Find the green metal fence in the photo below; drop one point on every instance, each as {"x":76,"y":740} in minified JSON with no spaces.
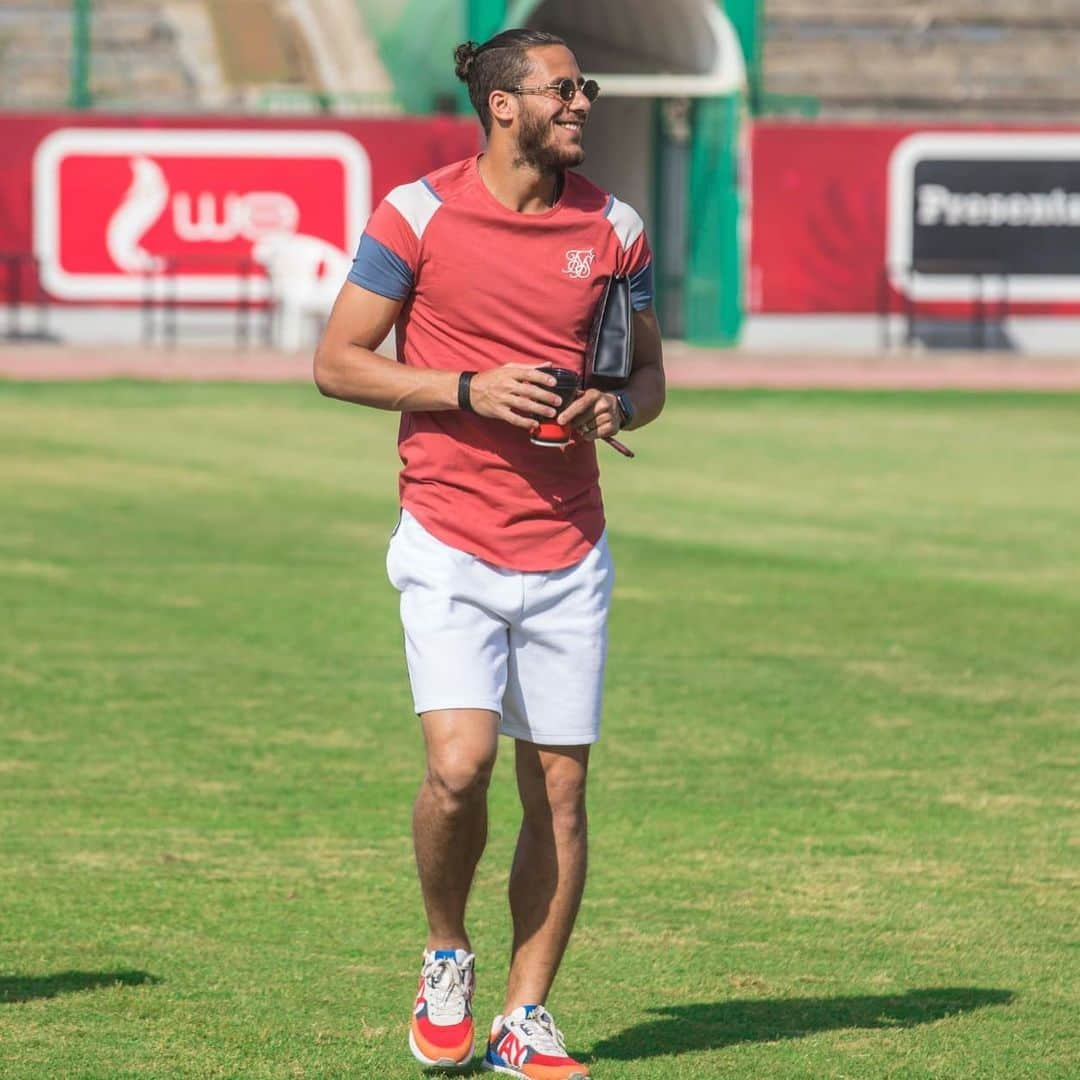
{"x":79,"y":97}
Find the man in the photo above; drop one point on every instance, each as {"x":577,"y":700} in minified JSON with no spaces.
{"x":489,"y":269}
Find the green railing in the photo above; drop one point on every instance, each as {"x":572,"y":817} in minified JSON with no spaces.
{"x":79,"y":97}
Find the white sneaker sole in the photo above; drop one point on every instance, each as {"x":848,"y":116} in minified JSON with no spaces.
{"x":440,"y":1063}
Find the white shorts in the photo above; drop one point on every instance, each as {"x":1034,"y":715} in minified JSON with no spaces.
{"x":528,"y":646}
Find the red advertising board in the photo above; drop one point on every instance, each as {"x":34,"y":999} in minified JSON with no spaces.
{"x":849,"y":218}
{"x":104,"y":201}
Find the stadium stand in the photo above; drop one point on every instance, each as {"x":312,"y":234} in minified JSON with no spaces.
{"x":135,"y":56}
{"x":317,"y":48}
{"x":345,"y":55}
{"x":967,"y":59}
{"x":196,"y":55}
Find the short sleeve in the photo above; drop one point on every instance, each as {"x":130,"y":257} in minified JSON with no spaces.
{"x":639,"y":268}
{"x":386,"y":259}
{"x":636,"y":260}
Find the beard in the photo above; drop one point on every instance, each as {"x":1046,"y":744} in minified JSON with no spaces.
{"x":536,"y":146}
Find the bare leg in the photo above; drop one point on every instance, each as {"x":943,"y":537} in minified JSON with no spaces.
{"x":450,"y":816}
{"x":548,"y":875}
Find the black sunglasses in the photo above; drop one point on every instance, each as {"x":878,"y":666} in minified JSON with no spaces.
{"x":565,"y":89}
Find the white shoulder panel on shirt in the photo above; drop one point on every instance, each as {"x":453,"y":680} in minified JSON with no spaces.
{"x":416,"y":203}
{"x":626,"y":222}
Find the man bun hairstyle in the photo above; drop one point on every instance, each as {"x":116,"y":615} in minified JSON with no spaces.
{"x":498,"y":64}
{"x":464,"y":58}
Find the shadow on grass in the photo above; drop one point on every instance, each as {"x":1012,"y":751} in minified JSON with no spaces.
{"x":686,"y":1028}
{"x":15,"y":988}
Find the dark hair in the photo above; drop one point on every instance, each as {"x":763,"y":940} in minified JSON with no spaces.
{"x":498,"y":64}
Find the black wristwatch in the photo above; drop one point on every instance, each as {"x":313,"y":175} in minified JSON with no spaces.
{"x":626,"y":408}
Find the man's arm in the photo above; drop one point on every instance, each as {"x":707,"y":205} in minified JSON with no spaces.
{"x":647,"y":386}
{"x":348,"y":368}
{"x":595,"y":415}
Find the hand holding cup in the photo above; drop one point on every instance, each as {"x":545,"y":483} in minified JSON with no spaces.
{"x":567,"y":386}
{"x":519,"y":394}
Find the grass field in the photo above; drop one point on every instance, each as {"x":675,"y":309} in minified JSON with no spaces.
{"x":834,"y":813}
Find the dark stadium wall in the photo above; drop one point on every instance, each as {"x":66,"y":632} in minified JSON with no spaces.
{"x":683,"y":177}
{"x":659,"y":54}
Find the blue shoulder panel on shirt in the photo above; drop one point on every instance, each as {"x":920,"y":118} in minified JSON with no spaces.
{"x":641,"y":287}
{"x":377,"y":268}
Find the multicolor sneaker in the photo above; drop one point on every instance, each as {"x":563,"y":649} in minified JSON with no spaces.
{"x":441,"y":1029}
{"x":528,"y":1044}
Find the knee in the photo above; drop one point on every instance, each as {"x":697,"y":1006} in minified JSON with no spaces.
{"x":568,"y":816}
{"x":459,"y":781}
{"x":560,"y":804}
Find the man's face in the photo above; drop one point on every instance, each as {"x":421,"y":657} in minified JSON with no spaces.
{"x":549,"y":130}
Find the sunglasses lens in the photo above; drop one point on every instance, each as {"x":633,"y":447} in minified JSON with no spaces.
{"x":568,"y":89}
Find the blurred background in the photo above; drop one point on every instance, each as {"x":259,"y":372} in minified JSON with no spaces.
{"x":841,"y":176}
{"x":834,"y":821}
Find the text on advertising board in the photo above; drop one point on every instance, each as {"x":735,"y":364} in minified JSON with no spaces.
{"x":1004,"y":204}
{"x":113,"y":205}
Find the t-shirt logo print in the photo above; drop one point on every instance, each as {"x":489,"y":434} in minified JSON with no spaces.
{"x":579,"y":262}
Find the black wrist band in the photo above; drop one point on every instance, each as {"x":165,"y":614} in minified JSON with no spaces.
{"x":463,"y":399}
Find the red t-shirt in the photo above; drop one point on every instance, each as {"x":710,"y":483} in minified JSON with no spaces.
{"x":488,"y":286}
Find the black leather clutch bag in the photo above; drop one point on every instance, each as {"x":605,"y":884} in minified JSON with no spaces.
{"x":610,"y":355}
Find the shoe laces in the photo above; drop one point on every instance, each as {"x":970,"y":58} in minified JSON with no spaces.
{"x":449,"y":978}
{"x":541,"y":1033}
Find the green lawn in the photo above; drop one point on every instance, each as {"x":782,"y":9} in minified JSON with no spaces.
{"x":834,"y":813}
